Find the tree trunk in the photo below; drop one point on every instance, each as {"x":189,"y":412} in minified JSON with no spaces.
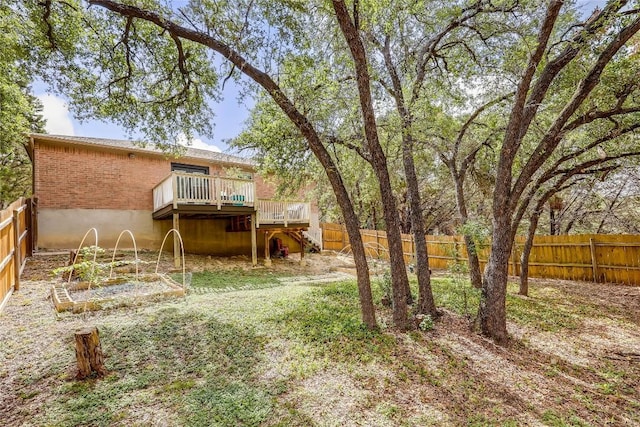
{"x":426,"y":303}
{"x":474,"y":262}
{"x":89,"y":354}
{"x":492,"y":313}
{"x":352,"y":223}
{"x":362,"y":268}
{"x":472,"y":251}
{"x":401,"y":290}
{"x":399,"y":278}
{"x":526,"y":252}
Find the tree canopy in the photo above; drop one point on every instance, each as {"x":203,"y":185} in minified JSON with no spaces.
{"x":20,"y":111}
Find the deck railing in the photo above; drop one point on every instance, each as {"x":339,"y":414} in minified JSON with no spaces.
{"x":276,"y":212}
{"x":188,"y":188}
{"x":181,"y":188}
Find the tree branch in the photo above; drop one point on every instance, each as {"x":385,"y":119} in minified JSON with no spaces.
{"x":553,"y":136}
{"x":47,"y":14}
{"x":470,"y":120}
{"x":334,"y":140}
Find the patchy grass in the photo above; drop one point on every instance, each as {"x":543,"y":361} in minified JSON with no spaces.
{"x":328,"y":320}
{"x":199,"y":366}
{"x":299,"y":356}
{"x":455,"y":294}
{"x":545,"y":310}
{"x":231,"y":280}
{"x":235,"y":278}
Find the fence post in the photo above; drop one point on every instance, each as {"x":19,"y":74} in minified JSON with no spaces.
{"x":33,"y":225}
{"x":16,"y":250}
{"x":29,"y":227}
{"x":594,"y":262}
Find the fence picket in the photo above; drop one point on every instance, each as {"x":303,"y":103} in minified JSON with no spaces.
{"x":15,"y":236}
{"x":588,"y":257}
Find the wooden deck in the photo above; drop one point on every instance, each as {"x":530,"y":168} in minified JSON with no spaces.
{"x":204,"y":196}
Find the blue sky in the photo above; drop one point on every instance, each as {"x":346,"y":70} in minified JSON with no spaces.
{"x":228,"y":121}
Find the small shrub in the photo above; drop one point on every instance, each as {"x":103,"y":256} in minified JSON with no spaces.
{"x":385,"y":286}
{"x":478,"y":233}
{"x":88,"y":270}
{"x":426,"y":324}
{"x":460,"y":280}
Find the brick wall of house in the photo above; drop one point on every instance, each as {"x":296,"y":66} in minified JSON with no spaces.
{"x":80,"y":177}
{"x":83,"y":178}
{"x":264,"y":190}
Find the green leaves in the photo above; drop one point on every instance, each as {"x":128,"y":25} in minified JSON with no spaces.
{"x":20,"y":111}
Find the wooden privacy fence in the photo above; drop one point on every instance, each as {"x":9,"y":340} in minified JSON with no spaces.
{"x":611,"y":258}
{"x":16,"y":244}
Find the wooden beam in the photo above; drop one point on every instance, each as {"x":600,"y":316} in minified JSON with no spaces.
{"x":174,"y":190}
{"x":267,"y":255}
{"x":254,"y":241}
{"x":302,"y":261}
{"x":176,"y":241}
{"x":299,"y":233}
{"x":267,"y":250}
{"x":29,"y":227}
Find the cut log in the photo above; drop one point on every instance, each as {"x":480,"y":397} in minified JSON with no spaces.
{"x":89,"y":354}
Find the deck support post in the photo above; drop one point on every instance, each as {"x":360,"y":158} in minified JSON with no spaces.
{"x":302,"y":260}
{"x":267,"y":254}
{"x":254,"y":240}
{"x":176,"y":241}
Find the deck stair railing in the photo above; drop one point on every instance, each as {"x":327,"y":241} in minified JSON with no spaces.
{"x":314,"y":236}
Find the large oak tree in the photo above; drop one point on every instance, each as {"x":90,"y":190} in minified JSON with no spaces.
{"x":584,"y":50}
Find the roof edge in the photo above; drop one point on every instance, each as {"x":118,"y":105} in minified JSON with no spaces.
{"x":137,"y":146}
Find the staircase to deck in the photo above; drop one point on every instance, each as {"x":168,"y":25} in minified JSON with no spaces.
{"x":312,"y":241}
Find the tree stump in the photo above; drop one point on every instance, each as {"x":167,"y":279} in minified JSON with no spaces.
{"x":89,"y":354}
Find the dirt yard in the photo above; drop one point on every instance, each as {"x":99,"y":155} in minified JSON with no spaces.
{"x":295,"y":355}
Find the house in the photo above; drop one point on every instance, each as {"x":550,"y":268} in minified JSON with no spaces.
{"x":217,"y":201}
